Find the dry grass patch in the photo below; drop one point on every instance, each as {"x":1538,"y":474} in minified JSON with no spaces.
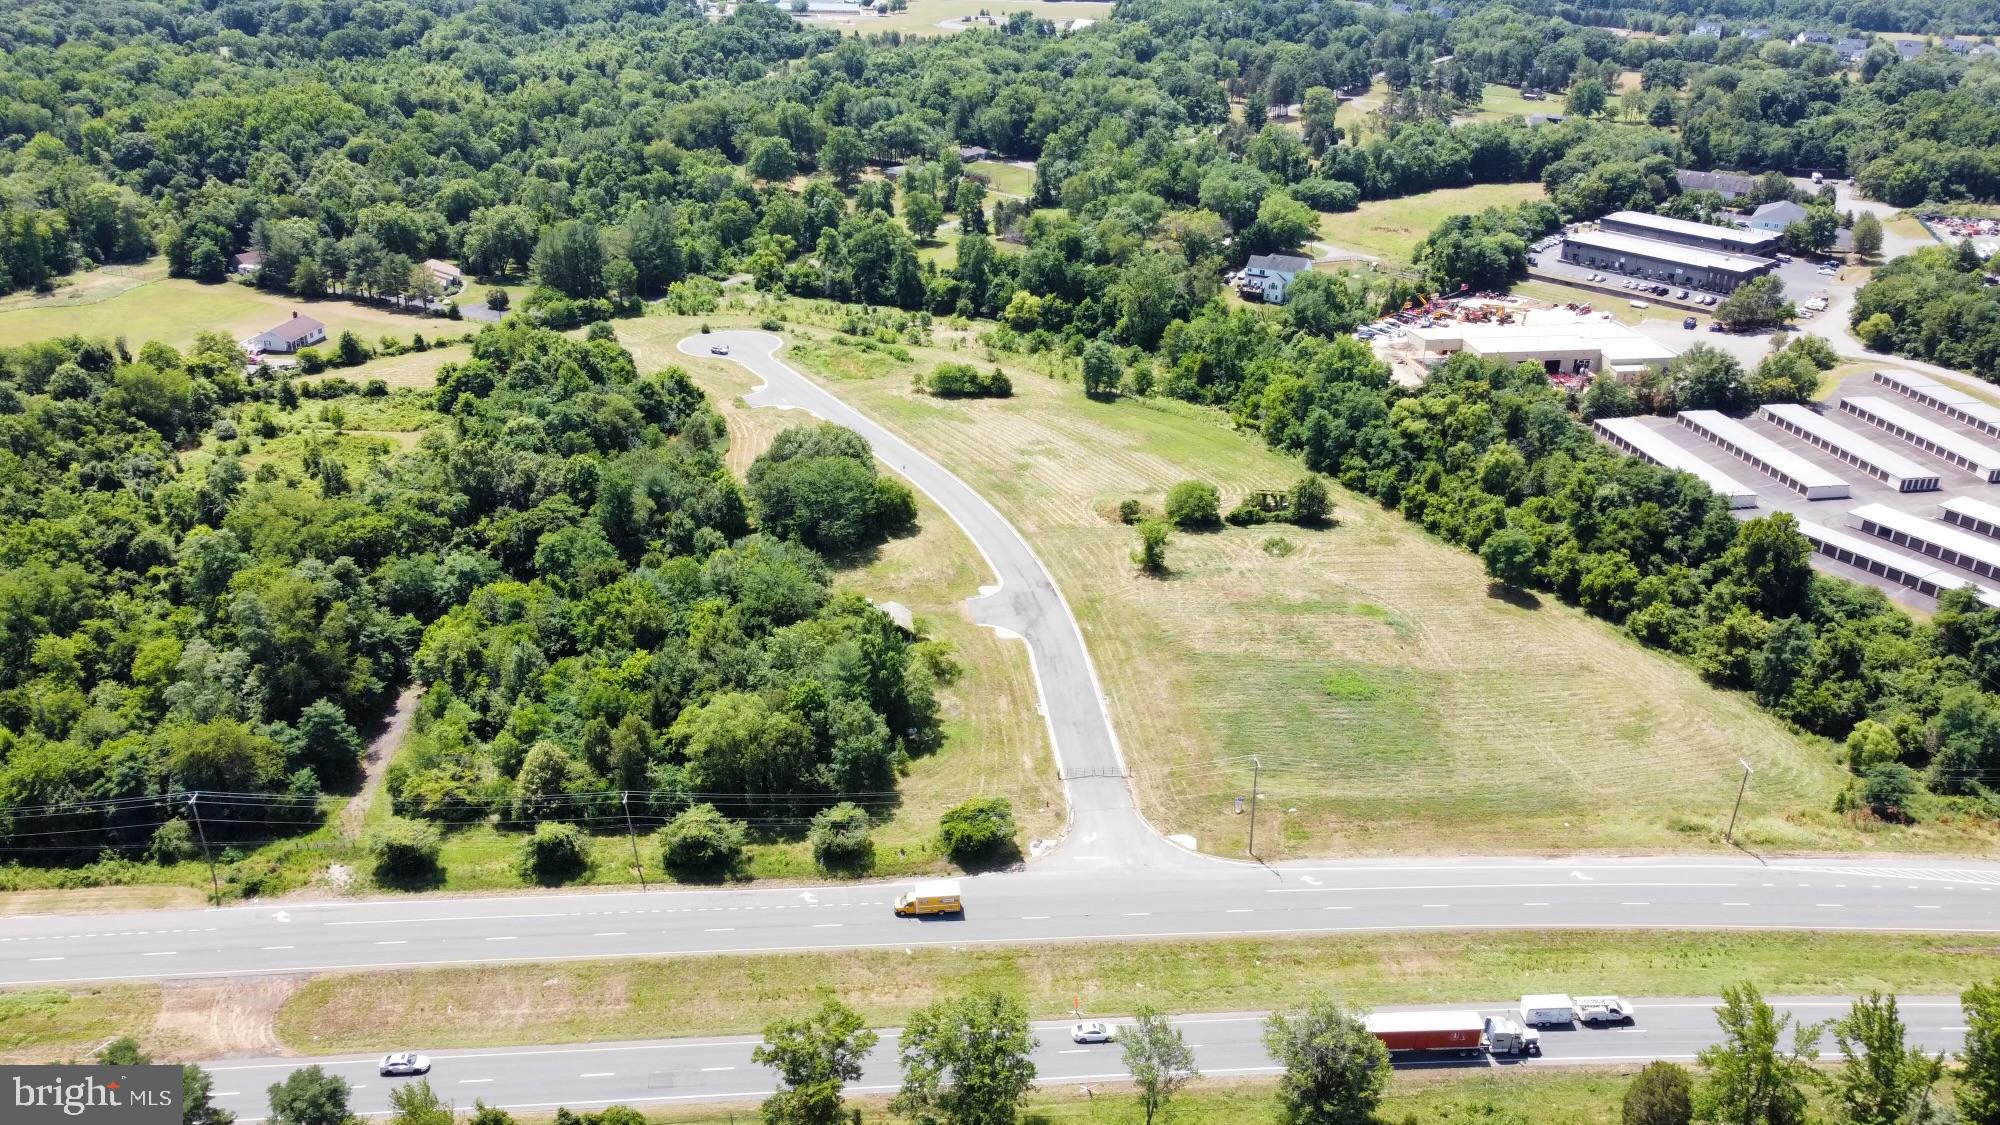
{"x":513,"y":1004}
{"x":54,"y":1024}
{"x":101,"y":900}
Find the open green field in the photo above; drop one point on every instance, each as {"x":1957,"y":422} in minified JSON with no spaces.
{"x":1003,"y":178}
{"x":493,"y":1005}
{"x":142,"y":303}
{"x":1391,"y":228}
{"x":1497,"y":103}
{"x":1397,"y":706}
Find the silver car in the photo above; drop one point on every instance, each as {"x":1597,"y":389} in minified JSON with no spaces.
{"x":1092,"y":1031}
{"x":403,"y":1064}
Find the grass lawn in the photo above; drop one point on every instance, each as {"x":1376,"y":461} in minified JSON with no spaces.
{"x":1398,"y":707}
{"x":142,"y":303}
{"x":494,"y":1005}
{"x":1497,"y":103}
{"x":44,"y":1024}
{"x":1391,"y":228}
{"x":1003,"y":178}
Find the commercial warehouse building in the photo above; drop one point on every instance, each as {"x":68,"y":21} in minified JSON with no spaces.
{"x":1634,"y":436}
{"x":1666,"y":262}
{"x":1790,"y":469}
{"x":1946,"y":400}
{"x":1860,"y":451}
{"x":1972,"y":515}
{"x":1707,"y":236}
{"x":1873,"y":558}
{"x":1580,"y":347}
{"x":1934,"y":438}
{"x":1940,"y":541}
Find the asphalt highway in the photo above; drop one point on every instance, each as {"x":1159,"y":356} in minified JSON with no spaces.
{"x":661,"y":1073}
{"x":1035,"y":905}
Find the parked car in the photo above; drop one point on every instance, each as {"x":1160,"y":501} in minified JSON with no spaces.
{"x":1687,"y":322}
{"x":403,"y":1064}
{"x":1681,"y":296}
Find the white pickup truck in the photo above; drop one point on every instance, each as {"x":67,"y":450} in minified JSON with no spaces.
{"x":1604,"y":1009}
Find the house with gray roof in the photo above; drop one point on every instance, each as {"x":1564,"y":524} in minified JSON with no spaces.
{"x":1776,"y":216}
{"x":1729,"y":185}
{"x":1266,"y":277}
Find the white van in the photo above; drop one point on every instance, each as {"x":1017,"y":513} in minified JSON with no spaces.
{"x":1548,"y":1009}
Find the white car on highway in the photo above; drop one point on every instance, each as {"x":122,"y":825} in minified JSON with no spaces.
{"x":1092,"y":1031}
{"x":404,"y":1063}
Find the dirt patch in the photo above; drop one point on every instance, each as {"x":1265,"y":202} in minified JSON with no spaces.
{"x":209,"y":1020}
{"x":375,"y":762}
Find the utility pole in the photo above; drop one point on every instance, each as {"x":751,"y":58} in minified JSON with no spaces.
{"x":1729,"y":837}
{"x":214,"y":884}
{"x":1256,"y":774}
{"x":625,"y":799}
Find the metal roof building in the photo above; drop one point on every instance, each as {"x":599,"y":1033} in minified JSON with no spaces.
{"x":1733,"y":240}
{"x":1568,"y":348}
{"x":1941,"y":541}
{"x":1864,"y":453}
{"x":1633,"y":436}
{"x":1946,"y":400}
{"x":1675,"y":263}
{"x":1790,"y":469}
{"x":1873,"y":558}
{"x":1972,"y":515}
{"x":1942,"y":442}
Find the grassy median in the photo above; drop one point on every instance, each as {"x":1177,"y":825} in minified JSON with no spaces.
{"x":540,"y":1003}
{"x":43,"y":1024}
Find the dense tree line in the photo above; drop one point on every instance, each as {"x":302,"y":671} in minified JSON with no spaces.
{"x":1935,"y":304}
{"x":567,"y":564}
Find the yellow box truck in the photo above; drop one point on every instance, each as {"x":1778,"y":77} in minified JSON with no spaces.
{"x":938,"y":896}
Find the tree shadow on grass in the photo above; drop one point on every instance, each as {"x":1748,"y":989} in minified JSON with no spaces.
{"x":1513,"y":595}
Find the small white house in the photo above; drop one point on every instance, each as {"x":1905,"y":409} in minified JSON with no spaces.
{"x":448,"y":276}
{"x":1266,"y":277}
{"x":298,"y":332}
{"x":248,"y":262}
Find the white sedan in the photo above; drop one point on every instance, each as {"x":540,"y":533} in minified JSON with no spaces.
{"x":404,"y":1063}
{"x":1092,"y":1031}
{"x":718,"y":349}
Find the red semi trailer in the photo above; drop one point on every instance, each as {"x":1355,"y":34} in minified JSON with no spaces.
{"x":1462,"y":1032}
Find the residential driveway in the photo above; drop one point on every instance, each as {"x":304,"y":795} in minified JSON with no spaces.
{"x":1106,"y":828}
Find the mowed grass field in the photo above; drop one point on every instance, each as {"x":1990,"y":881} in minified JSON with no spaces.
{"x":142,"y":303}
{"x":1391,"y":228}
{"x":923,"y":17}
{"x":1397,"y":706}
{"x":498,"y":1005}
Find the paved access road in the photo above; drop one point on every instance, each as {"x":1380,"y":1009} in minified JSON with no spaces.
{"x":668,"y":1071}
{"x":1106,"y":830}
{"x":1036,"y":905}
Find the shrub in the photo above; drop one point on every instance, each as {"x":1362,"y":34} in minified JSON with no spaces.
{"x":1129,"y":511}
{"x":1310,"y":503}
{"x":962,"y":380}
{"x":375,"y":388}
{"x":310,"y":361}
{"x":555,"y":853}
{"x":1887,"y":788}
{"x":1661,"y":1094}
{"x":976,"y":830}
{"x":1151,"y":553}
{"x":174,"y":841}
{"x":405,"y":851}
{"x":1193,"y":504}
{"x":840,"y":840}
{"x":701,"y":843}
{"x":1247,"y":513}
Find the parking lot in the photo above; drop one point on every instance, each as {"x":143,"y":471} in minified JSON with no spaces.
{"x":1802,"y":278}
{"x":1863,"y":489}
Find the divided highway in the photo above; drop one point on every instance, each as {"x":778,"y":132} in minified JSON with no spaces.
{"x":669,"y":1071}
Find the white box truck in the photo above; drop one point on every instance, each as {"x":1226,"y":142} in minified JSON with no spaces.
{"x":1547,"y":1009}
